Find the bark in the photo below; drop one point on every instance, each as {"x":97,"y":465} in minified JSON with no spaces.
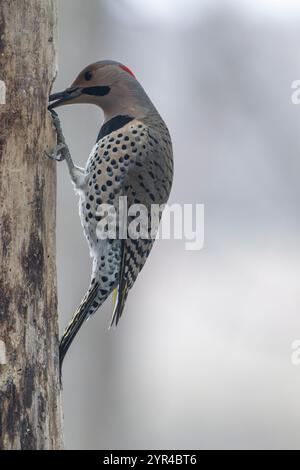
{"x":29,"y":379}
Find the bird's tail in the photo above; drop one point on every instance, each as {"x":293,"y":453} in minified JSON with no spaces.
{"x":120,"y":293}
{"x":79,"y":316}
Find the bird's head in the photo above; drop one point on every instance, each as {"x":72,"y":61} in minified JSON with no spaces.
{"x":108,"y":84}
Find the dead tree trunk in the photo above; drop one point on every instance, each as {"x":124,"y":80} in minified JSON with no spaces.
{"x":29,"y":380}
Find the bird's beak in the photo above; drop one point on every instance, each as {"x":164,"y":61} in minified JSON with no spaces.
{"x":63,"y":97}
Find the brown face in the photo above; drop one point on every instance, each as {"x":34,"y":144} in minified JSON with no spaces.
{"x":87,"y":84}
{"x":93,"y":83}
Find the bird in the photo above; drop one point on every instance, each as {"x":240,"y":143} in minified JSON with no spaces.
{"x":132,"y":158}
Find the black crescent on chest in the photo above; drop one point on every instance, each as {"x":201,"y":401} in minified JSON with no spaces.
{"x":113,"y":124}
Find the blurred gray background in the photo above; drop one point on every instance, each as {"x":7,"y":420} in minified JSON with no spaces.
{"x":202,"y":356}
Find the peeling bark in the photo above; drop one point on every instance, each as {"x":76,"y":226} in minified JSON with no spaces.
{"x":30,"y":409}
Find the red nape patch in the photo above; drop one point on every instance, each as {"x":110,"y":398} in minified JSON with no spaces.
{"x":127,"y":69}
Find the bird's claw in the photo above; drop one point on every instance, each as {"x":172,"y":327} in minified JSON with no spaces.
{"x":61,"y":148}
{"x":57,"y":155}
{"x":55,"y":120}
{"x":57,"y":125}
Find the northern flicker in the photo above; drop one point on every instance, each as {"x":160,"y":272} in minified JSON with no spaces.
{"x":132,"y":157}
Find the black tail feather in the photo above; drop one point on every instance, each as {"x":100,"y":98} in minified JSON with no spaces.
{"x":122,"y":289}
{"x":78,"y":318}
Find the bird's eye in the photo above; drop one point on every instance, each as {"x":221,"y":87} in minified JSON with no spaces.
{"x":88,"y":75}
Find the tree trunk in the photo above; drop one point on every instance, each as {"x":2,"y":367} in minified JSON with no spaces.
{"x":29,"y":379}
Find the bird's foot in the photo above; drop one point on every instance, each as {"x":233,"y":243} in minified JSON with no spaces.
{"x":57,"y":125}
{"x":61,"y":151}
{"x":57,"y":154}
